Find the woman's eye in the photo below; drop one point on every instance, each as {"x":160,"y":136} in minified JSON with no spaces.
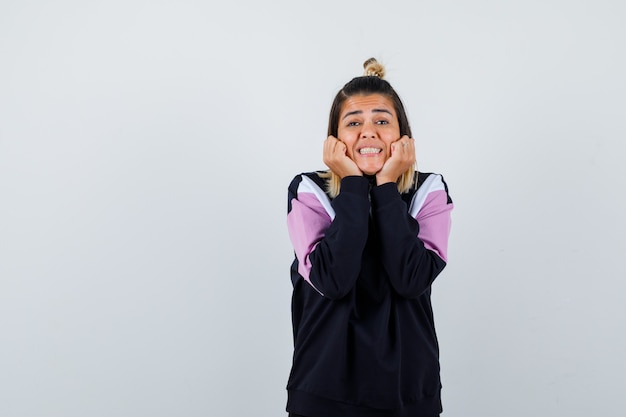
{"x":382,"y":122}
{"x":353,"y":123}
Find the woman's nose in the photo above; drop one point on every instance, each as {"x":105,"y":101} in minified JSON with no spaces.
{"x":368,"y":131}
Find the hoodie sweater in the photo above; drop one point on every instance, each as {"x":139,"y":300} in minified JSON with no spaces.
{"x":363,"y":330}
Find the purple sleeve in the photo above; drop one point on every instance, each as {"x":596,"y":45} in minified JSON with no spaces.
{"x":307,"y":221}
{"x":414,"y":242}
{"x":329,"y":237}
{"x":434,"y":223}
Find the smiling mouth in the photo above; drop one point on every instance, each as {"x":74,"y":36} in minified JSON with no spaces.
{"x":369,"y":151}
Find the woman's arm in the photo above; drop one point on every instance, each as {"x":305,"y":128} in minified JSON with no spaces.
{"x":329,"y":238}
{"x":413,"y":245}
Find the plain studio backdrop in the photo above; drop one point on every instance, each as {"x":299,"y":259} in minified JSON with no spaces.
{"x":145,"y":153}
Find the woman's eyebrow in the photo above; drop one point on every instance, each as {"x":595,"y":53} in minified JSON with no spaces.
{"x":361,"y":111}
{"x":351,"y":113}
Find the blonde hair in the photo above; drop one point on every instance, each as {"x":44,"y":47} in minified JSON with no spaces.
{"x":405,"y":182}
{"x":371,"y":82}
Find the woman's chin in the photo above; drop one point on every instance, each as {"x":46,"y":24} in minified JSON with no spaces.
{"x":369,"y":170}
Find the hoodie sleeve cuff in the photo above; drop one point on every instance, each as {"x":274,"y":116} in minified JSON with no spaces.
{"x":385,"y":193}
{"x":354,"y":185}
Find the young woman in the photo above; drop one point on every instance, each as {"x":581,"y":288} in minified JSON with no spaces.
{"x":370,"y":236}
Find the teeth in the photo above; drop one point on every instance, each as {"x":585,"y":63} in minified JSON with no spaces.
{"x":364,"y":151}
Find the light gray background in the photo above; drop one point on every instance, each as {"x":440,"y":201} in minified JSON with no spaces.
{"x":145,"y":153}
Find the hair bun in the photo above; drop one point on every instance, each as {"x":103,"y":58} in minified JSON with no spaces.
{"x":374,"y":68}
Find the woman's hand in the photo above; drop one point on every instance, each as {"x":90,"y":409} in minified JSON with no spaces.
{"x":401,"y":159}
{"x":337,"y":160}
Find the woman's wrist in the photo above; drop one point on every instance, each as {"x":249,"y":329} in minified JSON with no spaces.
{"x":383,"y":179}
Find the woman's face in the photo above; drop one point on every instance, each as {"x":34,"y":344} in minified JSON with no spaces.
{"x":368,"y":125}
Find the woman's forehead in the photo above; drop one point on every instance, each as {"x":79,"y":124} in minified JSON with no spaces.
{"x":367,"y":103}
